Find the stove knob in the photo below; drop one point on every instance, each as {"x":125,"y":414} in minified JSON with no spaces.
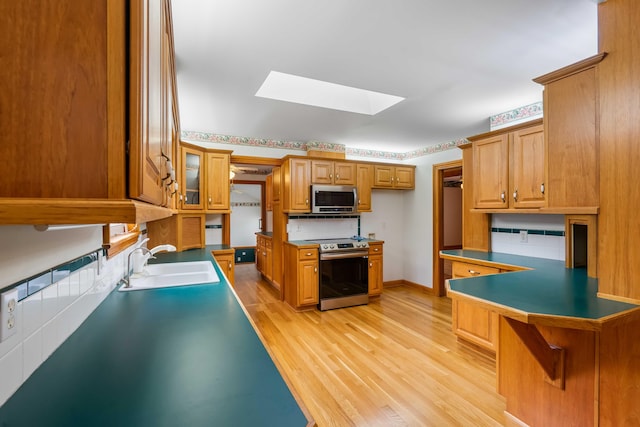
{"x":325,"y":246}
{"x":333,"y":246}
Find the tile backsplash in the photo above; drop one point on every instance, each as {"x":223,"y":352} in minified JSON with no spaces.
{"x":541,"y":236}
{"x":52,"y":305}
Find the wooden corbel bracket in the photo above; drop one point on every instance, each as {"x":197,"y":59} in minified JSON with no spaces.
{"x":549,"y":357}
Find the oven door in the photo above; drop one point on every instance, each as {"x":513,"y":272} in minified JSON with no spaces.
{"x":344,"y":279}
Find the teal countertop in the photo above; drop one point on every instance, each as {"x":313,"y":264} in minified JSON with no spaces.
{"x":183,"y":356}
{"x":547,"y":290}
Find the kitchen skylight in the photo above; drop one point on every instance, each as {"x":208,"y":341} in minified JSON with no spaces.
{"x":318,"y":93}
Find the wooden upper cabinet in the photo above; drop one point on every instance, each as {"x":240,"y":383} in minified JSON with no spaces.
{"x":217,"y":182}
{"x":527,"y":183}
{"x":204,"y":179}
{"x":364,"y":182}
{"x":330,"y":172}
{"x":65,"y":128}
{"x":297,"y":180}
{"x":571,"y":131}
{"x":191,"y":179}
{"x":388,"y":176}
{"x":150,"y":139}
{"x":63,"y":132}
{"x":509,"y":168}
{"x":491,"y":172}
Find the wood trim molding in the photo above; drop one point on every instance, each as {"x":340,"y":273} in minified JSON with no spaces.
{"x":591,"y":221}
{"x":422,"y":288}
{"x":574,"y":68}
{"x":439,"y":171}
{"x":502,"y":131}
{"x":78,"y":211}
{"x":252,"y":160}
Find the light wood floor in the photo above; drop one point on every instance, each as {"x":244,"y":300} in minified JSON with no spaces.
{"x":394,"y":362}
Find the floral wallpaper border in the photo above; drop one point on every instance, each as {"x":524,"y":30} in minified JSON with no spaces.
{"x":518,"y":114}
{"x":320,"y":146}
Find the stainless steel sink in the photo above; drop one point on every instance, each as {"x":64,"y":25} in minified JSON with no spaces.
{"x":172,"y":274}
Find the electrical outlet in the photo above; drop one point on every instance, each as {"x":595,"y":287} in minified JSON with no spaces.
{"x":524,"y":236}
{"x":8,"y":302}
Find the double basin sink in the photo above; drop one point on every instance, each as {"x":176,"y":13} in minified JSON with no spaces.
{"x":172,"y":274}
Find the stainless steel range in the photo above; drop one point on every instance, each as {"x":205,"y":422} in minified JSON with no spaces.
{"x":344,"y":273}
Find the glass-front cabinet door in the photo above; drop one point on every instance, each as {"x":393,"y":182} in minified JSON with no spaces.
{"x":192,"y":179}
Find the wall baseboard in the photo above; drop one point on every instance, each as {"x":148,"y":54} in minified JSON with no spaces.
{"x":395,"y":283}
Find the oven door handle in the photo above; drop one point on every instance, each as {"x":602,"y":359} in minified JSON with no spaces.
{"x":340,"y":255}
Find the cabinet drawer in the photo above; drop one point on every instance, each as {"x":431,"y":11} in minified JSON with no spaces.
{"x":375,"y":249}
{"x":463,"y":269}
{"x":306,"y":254}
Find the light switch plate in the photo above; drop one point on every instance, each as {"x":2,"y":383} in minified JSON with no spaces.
{"x":8,"y":318}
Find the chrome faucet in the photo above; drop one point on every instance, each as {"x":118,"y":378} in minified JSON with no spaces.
{"x":127,"y":277}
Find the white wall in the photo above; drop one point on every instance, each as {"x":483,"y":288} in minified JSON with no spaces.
{"x":25,"y":251}
{"x":417,"y":220}
{"x":386,"y":221}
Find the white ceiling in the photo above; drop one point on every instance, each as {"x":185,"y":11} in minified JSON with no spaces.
{"x":457,"y":62}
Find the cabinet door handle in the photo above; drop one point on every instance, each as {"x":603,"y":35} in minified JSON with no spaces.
{"x":503,"y":197}
{"x":371,"y":264}
{"x":209,"y":199}
{"x":306,"y":201}
{"x":331,"y":175}
{"x":515,"y":195}
{"x":229,"y":265}
{"x":315,"y":269}
{"x":473,"y":272}
{"x":338,"y":176}
{"x":542,"y":188}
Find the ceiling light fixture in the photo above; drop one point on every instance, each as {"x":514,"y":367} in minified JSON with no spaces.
{"x":318,"y":93}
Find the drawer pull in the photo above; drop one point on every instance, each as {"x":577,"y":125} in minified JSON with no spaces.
{"x":308,"y":253}
{"x":473,"y":272}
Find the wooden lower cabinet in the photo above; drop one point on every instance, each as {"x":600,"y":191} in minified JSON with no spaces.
{"x":375,"y":269}
{"x":184,"y":231}
{"x":264,"y":256}
{"x":301,"y":276}
{"x":226,"y":261}
{"x":470,"y":322}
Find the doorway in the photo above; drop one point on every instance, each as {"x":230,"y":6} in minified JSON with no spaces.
{"x":447,"y":218}
{"x":247,"y":217}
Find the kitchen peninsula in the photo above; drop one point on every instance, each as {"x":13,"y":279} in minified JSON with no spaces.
{"x":166,"y":357}
{"x":563,"y":354}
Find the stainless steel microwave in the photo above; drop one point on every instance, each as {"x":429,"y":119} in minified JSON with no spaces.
{"x":333,"y":199}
